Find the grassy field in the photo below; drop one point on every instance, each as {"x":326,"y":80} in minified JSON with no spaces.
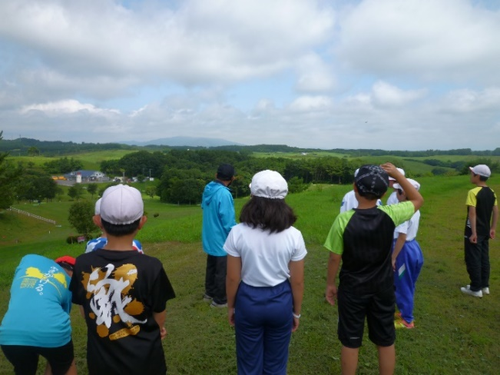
{"x":455,"y":334}
{"x":90,"y":160}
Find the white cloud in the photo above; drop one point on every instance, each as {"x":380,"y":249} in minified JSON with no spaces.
{"x":385,"y":94}
{"x":311,"y":73}
{"x":65,"y":107}
{"x":314,"y":75}
{"x":311,"y":103}
{"x":436,"y":40}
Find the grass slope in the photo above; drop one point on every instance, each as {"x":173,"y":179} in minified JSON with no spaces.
{"x":455,"y":334}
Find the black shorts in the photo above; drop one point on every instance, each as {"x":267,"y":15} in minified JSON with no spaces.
{"x":379,"y":311}
{"x":25,"y":358}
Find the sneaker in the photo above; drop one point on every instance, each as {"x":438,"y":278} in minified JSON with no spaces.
{"x":220,"y":305}
{"x":485,"y":290}
{"x":404,"y":324}
{"x":466,"y":290}
{"x":207,"y":298}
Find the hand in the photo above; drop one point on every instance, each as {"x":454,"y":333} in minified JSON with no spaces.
{"x":163,"y":332}
{"x":473,"y":238}
{"x":295,"y":325}
{"x":331,"y":294}
{"x":492,"y":234}
{"x":394,"y":264}
{"x":230,"y":316}
{"x":390,"y":169}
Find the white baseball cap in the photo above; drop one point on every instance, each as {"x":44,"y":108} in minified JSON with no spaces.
{"x":269,"y":184}
{"x":121,"y":204}
{"x":414,"y":183}
{"x":401,"y":170}
{"x":481,"y":170}
{"x":97,"y":209}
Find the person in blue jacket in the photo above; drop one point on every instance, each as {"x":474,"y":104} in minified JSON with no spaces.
{"x":37,"y":321}
{"x":218,"y":219}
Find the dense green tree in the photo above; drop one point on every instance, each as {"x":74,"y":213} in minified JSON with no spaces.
{"x":92,"y":189}
{"x":296,"y":185}
{"x":110,"y":167}
{"x":63,"y":165}
{"x":185,"y":191}
{"x":35,"y":186}
{"x":76,"y":191}
{"x":80,"y":217}
{"x":9,"y":176}
{"x":150,"y":190}
{"x":33,"y":151}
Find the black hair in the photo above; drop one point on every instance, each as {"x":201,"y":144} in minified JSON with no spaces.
{"x":223,"y":177}
{"x":269,"y":214}
{"x":371,"y":196}
{"x":481,"y":178}
{"x":119,"y":230}
{"x":66,"y":266}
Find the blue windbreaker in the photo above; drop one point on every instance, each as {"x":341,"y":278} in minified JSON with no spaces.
{"x":218,"y":217}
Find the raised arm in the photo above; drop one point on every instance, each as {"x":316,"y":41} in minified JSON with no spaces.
{"x":411,"y":193}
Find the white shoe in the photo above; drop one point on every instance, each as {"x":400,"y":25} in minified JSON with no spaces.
{"x":466,"y":290}
{"x":485,"y":290}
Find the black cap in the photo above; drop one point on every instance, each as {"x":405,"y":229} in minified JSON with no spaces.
{"x":372,"y":179}
{"x":225,"y":172}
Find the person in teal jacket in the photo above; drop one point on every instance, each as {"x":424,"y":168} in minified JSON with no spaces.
{"x":37,"y":321}
{"x":218,"y":219}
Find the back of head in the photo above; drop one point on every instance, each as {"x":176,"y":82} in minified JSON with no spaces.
{"x":225,"y":172}
{"x":269,"y":184}
{"x":371,"y":181}
{"x":67,"y":262}
{"x":481,"y":170}
{"x":121,"y":209}
{"x":267,"y":208}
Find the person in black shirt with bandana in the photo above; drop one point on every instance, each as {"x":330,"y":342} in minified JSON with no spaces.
{"x":362,"y":239}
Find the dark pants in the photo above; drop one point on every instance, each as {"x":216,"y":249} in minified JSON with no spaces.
{"x":263,"y":323}
{"x":477,"y":261}
{"x":25,"y":358}
{"x":215,"y":278}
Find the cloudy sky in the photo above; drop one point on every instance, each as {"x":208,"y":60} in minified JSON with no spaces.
{"x":388,"y":74}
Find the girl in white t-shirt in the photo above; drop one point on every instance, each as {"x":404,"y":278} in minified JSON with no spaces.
{"x":265,"y":277}
{"x":407,"y":262}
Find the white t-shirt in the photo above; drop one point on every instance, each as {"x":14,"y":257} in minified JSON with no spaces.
{"x":410,"y":227}
{"x":349,"y":201}
{"x":264,"y":255}
{"x":393,"y":198}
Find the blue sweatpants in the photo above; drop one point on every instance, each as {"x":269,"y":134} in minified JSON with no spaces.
{"x":408,"y":266}
{"x":263,"y":324}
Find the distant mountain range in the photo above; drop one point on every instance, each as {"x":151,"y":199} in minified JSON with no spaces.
{"x":184,"y":141}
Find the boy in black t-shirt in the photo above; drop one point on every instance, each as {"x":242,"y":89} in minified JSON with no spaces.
{"x":482,"y":209}
{"x":362,"y":239}
{"x":122,"y":293}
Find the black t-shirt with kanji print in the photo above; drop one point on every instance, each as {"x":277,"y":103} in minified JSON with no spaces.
{"x":119,"y":292}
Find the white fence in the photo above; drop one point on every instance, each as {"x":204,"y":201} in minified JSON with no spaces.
{"x":32,"y":215}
